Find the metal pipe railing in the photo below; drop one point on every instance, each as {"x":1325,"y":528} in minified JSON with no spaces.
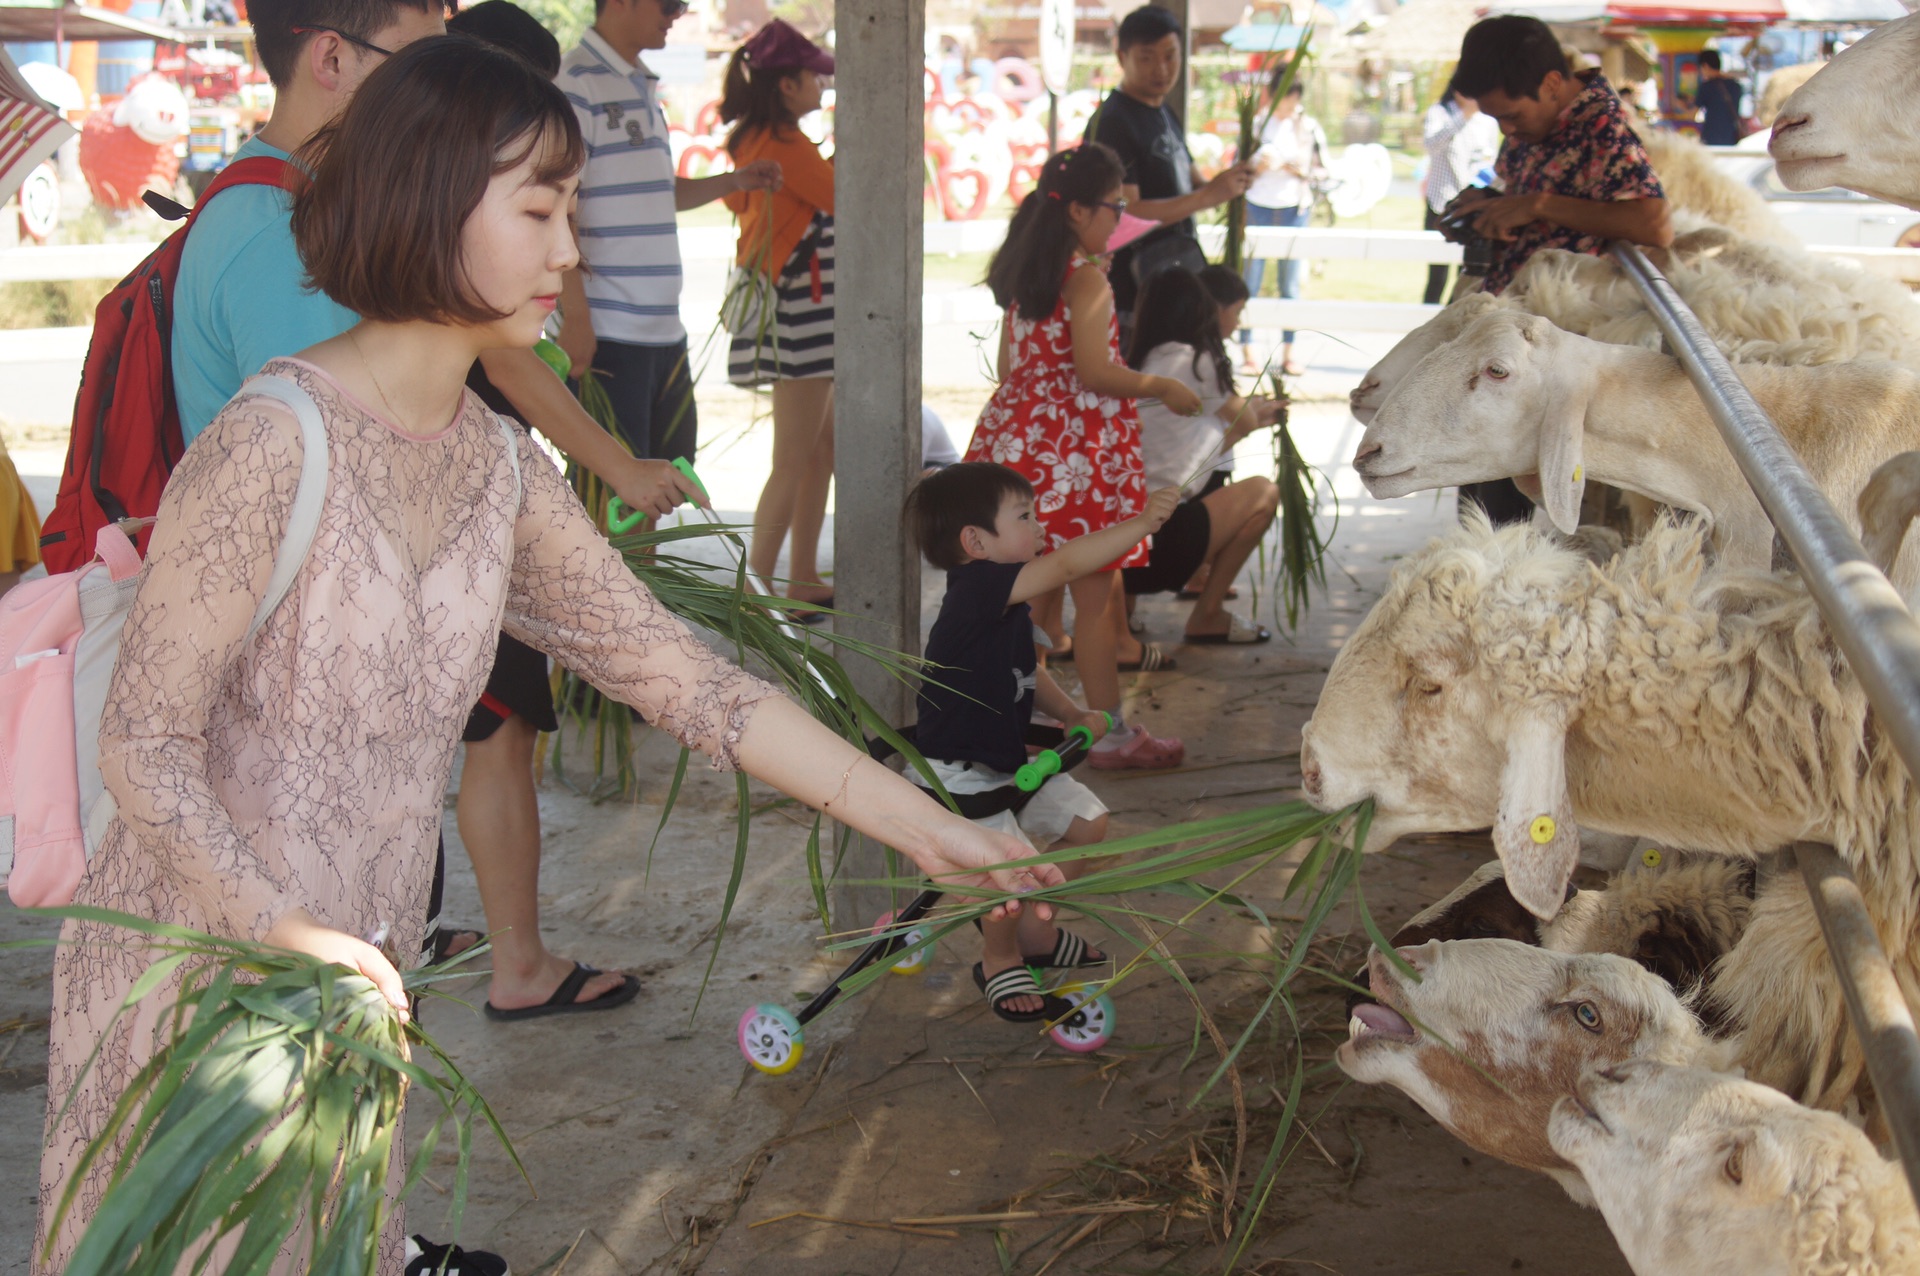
{"x":1880,"y":640}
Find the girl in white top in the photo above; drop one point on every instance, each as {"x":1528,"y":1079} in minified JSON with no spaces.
{"x":1292,"y":148}
{"x":1180,"y":333}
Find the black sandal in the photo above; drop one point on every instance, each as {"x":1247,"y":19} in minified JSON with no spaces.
{"x":1070,"y":952}
{"x":1018,"y":981}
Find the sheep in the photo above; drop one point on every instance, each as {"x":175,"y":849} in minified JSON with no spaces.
{"x":1515,"y":396}
{"x":1853,"y":125}
{"x":1505,"y":681}
{"x":1675,"y":920}
{"x":1762,"y":303}
{"x":1495,"y":1031}
{"x":1694,"y":182}
{"x":1696,"y":1172}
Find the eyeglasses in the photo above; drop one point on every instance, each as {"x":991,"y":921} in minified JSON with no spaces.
{"x":1119,"y":207}
{"x":671,"y":9}
{"x":355,"y":40}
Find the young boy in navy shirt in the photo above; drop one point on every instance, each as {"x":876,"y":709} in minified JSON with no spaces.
{"x":976,"y":521}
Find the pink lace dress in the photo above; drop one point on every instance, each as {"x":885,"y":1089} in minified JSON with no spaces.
{"x":1079,"y":449}
{"x":306,"y":768}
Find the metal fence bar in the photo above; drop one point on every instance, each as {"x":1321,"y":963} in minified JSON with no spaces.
{"x":1882,"y":644}
{"x":1879,"y":1012}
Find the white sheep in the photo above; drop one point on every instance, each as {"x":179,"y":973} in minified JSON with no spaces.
{"x":1761,"y":303}
{"x":1854,"y":123}
{"x":1506,"y":681}
{"x":1514,"y":396}
{"x":1676,"y":919}
{"x":1697,"y":1172}
{"x":1696,"y":183}
{"x":1495,"y":1031}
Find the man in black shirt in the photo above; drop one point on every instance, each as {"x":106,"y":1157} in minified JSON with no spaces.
{"x":1719,"y":100}
{"x":1136,"y":123}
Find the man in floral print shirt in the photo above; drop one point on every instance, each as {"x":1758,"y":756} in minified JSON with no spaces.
{"x":1575,"y":175}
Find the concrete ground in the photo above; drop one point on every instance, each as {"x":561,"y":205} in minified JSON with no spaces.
{"x":652,"y":1147}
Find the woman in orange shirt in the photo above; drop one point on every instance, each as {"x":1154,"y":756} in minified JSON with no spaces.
{"x":773,"y":79}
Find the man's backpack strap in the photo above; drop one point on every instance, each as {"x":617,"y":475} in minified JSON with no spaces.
{"x":309,"y":498}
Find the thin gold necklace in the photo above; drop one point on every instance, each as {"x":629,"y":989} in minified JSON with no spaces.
{"x":392,"y":412}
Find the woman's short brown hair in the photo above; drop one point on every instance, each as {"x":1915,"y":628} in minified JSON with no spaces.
{"x":396,"y":177}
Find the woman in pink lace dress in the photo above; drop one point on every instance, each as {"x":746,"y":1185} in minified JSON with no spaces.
{"x":287,"y":788}
{"x":1063,"y":416}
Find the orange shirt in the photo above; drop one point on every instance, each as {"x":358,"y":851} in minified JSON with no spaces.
{"x":806,"y":185}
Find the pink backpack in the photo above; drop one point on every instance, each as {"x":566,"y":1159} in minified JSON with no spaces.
{"x":59,"y":640}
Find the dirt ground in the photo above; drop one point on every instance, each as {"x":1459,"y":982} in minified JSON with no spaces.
{"x":655,"y":1149}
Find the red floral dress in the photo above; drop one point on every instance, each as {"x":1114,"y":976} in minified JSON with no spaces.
{"x":1079,"y":449}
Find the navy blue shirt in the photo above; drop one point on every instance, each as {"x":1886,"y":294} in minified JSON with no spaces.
{"x":1720,"y":102}
{"x":985,"y":652}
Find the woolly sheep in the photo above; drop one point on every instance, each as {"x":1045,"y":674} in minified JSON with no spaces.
{"x":1853,"y":124}
{"x":1504,"y":1029}
{"x":1761,"y":303}
{"x":1695,"y":183}
{"x":1515,"y":396}
{"x":1505,"y":681}
{"x":1675,"y":920}
{"x":1697,"y":1171}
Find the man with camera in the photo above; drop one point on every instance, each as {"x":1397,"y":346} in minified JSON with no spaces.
{"x":1573,"y":173}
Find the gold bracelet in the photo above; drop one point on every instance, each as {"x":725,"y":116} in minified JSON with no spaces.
{"x":841,"y":792}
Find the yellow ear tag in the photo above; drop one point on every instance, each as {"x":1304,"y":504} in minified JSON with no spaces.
{"x":1577,"y":471}
{"x":1651,"y":857}
{"x":1542,"y":830}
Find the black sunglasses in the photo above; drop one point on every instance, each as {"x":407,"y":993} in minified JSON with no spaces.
{"x":354,"y":40}
{"x":671,"y":9}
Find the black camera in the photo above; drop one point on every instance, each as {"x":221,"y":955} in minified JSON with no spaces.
{"x":1456,"y":227}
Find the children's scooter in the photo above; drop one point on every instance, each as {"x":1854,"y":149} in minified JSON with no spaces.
{"x":772,"y":1038}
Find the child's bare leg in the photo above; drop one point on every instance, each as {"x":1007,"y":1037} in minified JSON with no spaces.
{"x":1049,"y":612}
{"x":1037,"y":936}
{"x":1000,"y":950}
{"x":1095,"y":643}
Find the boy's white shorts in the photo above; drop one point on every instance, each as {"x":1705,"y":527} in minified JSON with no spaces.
{"x":1043,"y":821}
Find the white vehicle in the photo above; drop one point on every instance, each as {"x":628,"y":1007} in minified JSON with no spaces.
{"x":1832,"y":217}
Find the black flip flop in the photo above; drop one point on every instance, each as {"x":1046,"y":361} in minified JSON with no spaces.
{"x":562,"y":1002}
{"x":444,"y":940}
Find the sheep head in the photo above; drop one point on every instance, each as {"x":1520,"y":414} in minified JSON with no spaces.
{"x":1700,"y":1171}
{"x":1449,"y":706}
{"x":1496,"y":1031}
{"x":1506,"y":398}
{"x":1366,"y":398}
{"x":1853,"y":124}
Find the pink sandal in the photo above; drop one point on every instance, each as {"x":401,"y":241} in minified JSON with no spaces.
{"x":1144,"y":752}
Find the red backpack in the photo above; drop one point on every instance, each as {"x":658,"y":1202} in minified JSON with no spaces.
{"x":126,"y":427}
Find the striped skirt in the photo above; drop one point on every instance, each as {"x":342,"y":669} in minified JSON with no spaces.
{"x":798,"y":342}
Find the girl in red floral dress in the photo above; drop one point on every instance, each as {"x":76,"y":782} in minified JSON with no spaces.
{"x":1064,"y":418}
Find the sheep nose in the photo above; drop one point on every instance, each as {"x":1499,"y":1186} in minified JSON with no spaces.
{"x":1614,"y":1072}
{"x":1784,"y":124}
{"x":1366,"y":453}
{"x":1311,"y":778}
{"x":1362,"y":390}
{"x":1415,"y":957}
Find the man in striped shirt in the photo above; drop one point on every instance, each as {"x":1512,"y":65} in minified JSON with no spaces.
{"x":620,"y":315}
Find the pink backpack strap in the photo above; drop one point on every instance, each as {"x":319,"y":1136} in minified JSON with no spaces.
{"x":114,"y":548}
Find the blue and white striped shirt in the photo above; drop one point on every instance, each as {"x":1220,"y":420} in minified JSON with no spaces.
{"x":626,"y":219}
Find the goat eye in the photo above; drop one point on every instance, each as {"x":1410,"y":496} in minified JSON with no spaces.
{"x":1586,"y":1016}
{"x":1426,"y":687}
{"x":1496,"y":372}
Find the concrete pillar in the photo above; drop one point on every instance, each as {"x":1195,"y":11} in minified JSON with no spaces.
{"x":879,"y":134}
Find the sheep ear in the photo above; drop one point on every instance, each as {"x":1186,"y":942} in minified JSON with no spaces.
{"x":1538,"y":841}
{"x":1563,"y":428}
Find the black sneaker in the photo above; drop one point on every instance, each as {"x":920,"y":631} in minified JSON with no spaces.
{"x":424,"y":1258}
